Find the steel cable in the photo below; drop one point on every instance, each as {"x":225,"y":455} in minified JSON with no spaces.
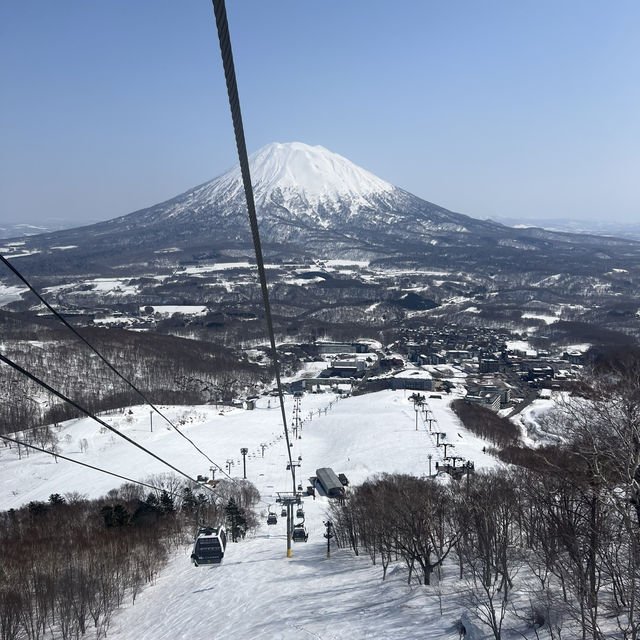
{"x":61,"y":318}
{"x":88,"y":413}
{"x":238,"y":128}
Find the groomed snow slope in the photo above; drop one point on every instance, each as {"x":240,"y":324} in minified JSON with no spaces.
{"x":257,"y":592}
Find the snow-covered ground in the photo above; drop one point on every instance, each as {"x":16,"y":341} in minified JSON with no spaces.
{"x":358,"y":436}
{"x":116,"y":320}
{"x":301,"y":282}
{"x":540,"y":316}
{"x":106,"y":286}
{"x":519,"y":345}
{"x":534,"y":420}
{"x":257,"y":592}
{"x":186,"y":309}
{"x":219,"y":266}
{"x":581,"y":347}
{"x":346,"y":263}
{"x":10,"y":293}
{"x":113,"y":285}
{"x":21,"y":254}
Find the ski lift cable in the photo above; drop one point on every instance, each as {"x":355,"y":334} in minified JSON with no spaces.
{"x":84,"y":464}
{"x":88,"y":413}
{"x":112,"y":367}
{"x":236,"y":115}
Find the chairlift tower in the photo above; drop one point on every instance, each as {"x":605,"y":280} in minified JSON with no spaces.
{"x":292,"y":467}
{"x":418,"y":404}
{"x":244,"y":452}
{"x":288,"y":500}
{"x":328,"y":536}
{"x":469,"y":466}
{"x":445,"y":445}
{"x":438,"y":435}
{"x":297,"y":424}
{"x":454,"y":458}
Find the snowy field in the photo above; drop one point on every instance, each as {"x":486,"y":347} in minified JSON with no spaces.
{"x":257,"y":592}
{"x":534,"y":420}
{"x":519,"y":345}
{"x":10,"y":293}
{"x":186,"y":309}
{"x":358,"y":436}
{"x":540,"y":316}
{"x":581,"y":347}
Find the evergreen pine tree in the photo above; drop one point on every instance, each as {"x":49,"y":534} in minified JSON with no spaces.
{"x":121,"y":516}
{"x":236,"y":520}
{"x":189,"y":501}
{"x":37,"y":508}
{"x":166,"y":503}
{"x":152,"y":502}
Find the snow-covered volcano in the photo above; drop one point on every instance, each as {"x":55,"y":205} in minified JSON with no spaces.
{"x":302,"y":191}
{"x":304,"y":184}
{"x":298,"y":170}
{"x":310,"y":202}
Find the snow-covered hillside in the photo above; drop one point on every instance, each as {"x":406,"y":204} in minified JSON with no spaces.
{"x":257,"y":592}
{"x":358,"y":436}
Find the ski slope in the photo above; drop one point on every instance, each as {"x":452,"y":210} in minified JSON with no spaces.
{"x":257,"y":592}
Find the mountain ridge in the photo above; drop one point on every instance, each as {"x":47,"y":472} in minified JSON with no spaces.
{"x":310,"y":203}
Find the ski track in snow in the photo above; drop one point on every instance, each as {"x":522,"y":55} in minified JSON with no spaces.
{"x":258,"y":593}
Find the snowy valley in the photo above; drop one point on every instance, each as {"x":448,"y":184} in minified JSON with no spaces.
{"x":450,"y":369}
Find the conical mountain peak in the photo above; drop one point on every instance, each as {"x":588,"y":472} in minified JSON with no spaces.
{"x":311,"y":172}
{"x":313,"y":203}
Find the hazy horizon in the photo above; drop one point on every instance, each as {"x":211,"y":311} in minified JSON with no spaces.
{"x":519,"y":111}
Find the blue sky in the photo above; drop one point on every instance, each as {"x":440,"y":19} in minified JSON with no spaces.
{"x":494,"y":108}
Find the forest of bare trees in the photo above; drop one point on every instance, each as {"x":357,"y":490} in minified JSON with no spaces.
{"x":486,"y":423}
{"x":169,"y":370}
{"x":562,"y":532}
{"x":67,"y":564}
